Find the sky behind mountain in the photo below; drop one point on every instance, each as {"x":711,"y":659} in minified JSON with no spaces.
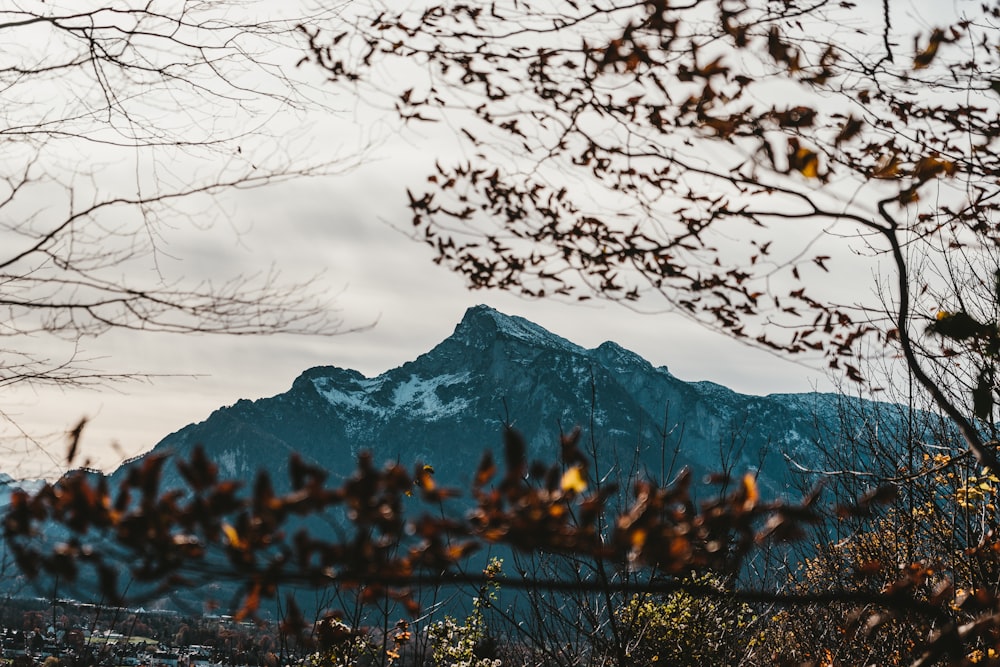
{"x":350,"y":230}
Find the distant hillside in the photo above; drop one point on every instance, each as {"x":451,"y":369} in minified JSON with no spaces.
{"x":449,"y":404}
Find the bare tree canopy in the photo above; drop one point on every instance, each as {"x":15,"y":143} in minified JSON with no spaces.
{"x":816,"y":178}
{"x":121,"y":124}
{"x":728,"y":159}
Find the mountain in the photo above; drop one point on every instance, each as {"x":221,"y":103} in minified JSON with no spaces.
{"x":447,"y":405}
{"x":8,"y":485}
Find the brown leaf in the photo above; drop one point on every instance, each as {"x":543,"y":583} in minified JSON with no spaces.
{"x":923,"y":58}
{"x":74,"y":440}
{"x":485,"y":471}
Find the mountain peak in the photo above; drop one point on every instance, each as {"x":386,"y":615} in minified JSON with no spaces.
{"x":500,"y":369}
{"x":482,"y":325}
{"x":619,"y":359}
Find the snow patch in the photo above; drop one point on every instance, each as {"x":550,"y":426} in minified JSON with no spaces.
{"x":359,"y":398}
{"x":228,"y":466}
{"x":419,"y":396}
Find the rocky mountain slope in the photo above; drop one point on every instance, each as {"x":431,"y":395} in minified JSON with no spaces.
{"x":446,"y":406}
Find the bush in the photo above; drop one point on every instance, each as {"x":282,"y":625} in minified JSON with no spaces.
{"x":341,"y":646}
{"x":685,"y":628}
{"x":456,"y":645}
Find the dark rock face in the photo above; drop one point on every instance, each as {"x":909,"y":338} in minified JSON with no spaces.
{"x":448,"y":405}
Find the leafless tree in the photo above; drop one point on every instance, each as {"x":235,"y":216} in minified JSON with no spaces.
{"x":819,"y":179}
{"x":746,"y":164}
{"x":122,"y":123}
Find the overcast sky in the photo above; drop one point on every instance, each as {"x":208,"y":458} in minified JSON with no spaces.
{"x":382,"y":283}
{"x":348,"y":229}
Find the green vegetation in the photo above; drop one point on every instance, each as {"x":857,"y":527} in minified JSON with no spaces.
{"x":456,"y":645}
{"x":685,"y":629}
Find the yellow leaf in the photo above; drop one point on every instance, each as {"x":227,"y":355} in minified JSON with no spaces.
{"x":638,"y":538}
{"x":232,"y":536}
{"x":573,"y":481}
{"x":750,"y":489}
{"x":802,"y":159}
{"x":425,"y":479}
{"x":810,"y":166}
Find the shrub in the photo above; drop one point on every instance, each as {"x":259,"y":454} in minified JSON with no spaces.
{"x":341,"y":646}
{"x":455,"y":645}
{"x":685,"y":628}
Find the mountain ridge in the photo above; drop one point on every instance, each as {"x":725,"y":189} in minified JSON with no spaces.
{"x":450,"y":403}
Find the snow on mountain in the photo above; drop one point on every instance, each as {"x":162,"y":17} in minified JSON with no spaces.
{"x":448,"y":405}
{"x":452,"y":402}
{"x":482,"y":324}
{"x":418,"y":396}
